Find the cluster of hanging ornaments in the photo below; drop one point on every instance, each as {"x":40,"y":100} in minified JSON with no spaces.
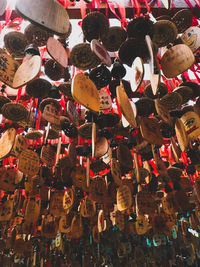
{"x":114,"y":183}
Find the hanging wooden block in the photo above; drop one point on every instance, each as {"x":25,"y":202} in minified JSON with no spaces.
{"x":7,"y":179}
{"x":56,"y":20}
{"x":191,"y":37}
{"x":29,"y":162}
{"x":181,"y":135}
{"x":68,"y":198}
{"x":126,"y":108}
{"x":8,"y":68}
{"x":6,"y":142}
{"x":72,"y":112}
{"x":27,"y":71}
{"x":176,"y":60}
{"x":116,"y":172}
{"x":191,"y":123}
{"x":101,"y":52}
{"x":48,"y":155}
{"x":85,"y":92}
{"x":124,"y":198}
{"x":32,"y":211}
{"x":87,"y":208}
{"x":105,"y":100}
{"x":19,"y":145}
{"x":57,"y":51}
{"x":56,"y":204}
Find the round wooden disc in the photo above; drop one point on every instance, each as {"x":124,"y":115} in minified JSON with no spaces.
{"x":57,"y":52}
{"x":150,"y":131}
{"x":163,"y":112}
{"x":6,"y":142}
{"x":46,"y":14}
{"x":27,"y":71}
{"x":101,"y":52}
{"x":101,"y":147}
{"x":176,"y":60}
{"x":124,"y":198}
{"x":191,"y":37}
{"x":29,"y":162}
{"x":138,"y":73}
{"x":9,"y":68}
{"x":181,"y":135}
{"x":125,"y":106}
{"x":85,"y":92}
{"x":116,"y":172}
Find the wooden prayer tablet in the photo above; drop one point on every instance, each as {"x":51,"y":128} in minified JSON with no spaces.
{"x":137,"y":73}
{"x":101,"y":147}
{"x":49,"y":14}
{"x":191,"y":123}
{"x":49,"y":226}
{"x":97,"y":190}
{"x":126,"y":108}
{"x":6,"y":142}
{"x":124,"y":157}
{"x":88,"y":208}
{"x":85,"y":92}
{"x":181,"y":135}
{"x":56,"y":204}
{"x":68,"y":198}
{"x":8,"y":68}
{"x":27,"y":71}
{"x":191,"y":37}
{"x":48,"y":155}
{"x":6,"y":210}
{"x":78,"y":175}
{"x":32,"y":211}
{"x":19,"y":145}
{"x":65,"y":223}
{"x":7,"y":179}
{"x":154,"y":68}
{"x":72,"y":153}
{"x":176,"y":60}
{"x":124,"y":198}
{"x":77,"y":227}
{"x":163,"y":112}
{"x":105,"y":100}
{"x":116,"y":172}
{"x":101,"y":52}
{"x":29,"y":162}
{"x":72,"y":112}
{"x":51,"y":114}
{"x":145,"y":203}
{"x":150,"y":131}
{"x":142,"y":224}
{"x":57,"y":52}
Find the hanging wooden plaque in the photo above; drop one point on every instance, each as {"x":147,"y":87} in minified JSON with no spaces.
{"x":29,"y":162}
{"x":57,"y":52}
{"x":6,"y":142}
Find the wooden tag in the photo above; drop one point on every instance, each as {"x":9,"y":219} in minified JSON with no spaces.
{"x":154,"y":68}
{"x":101,"y":52}
{"x":68,"y":198}
{"x":27,"y":71}
{"x":87,"y":208}
{"x":7,"y":179}
{"x":124,"y":198}
{"x":191,"y":123}
{"x":45,"y":14}
{"x":51,"y":114}
{"x":124,"y":157}
{"x":97,"y":190}
{"x":78,"y":175}
{"x":57,"y":51}
{"x":142,"y":224}
{"x":6,"y":142}
{"x":6,"y":210}
{"x":29,"y":162}
{"x":137,"y":73}
{"x":31,"y":186}
{"x":116,"y":172}
{"x":49,"y":227}
{"x":56,"y":204}
{"x":119,"y":220}
{"x":145,"y":203}
{"x":85,"y":92}
{"x":176,"y":60}
{"x":150,"y":131}
{"x":181,"y":135}
{"x":191,"y":37}
{"x":163,"y":112}
{"x":8,"y":68}
{"x":48,"y":155}
{"x":72,"y":113}
{"x":32,"y":211}
{"x":101,"y":147}
{"x":19,"y":145}
{"x":105,"y":100}
{"x":126,"y":108}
